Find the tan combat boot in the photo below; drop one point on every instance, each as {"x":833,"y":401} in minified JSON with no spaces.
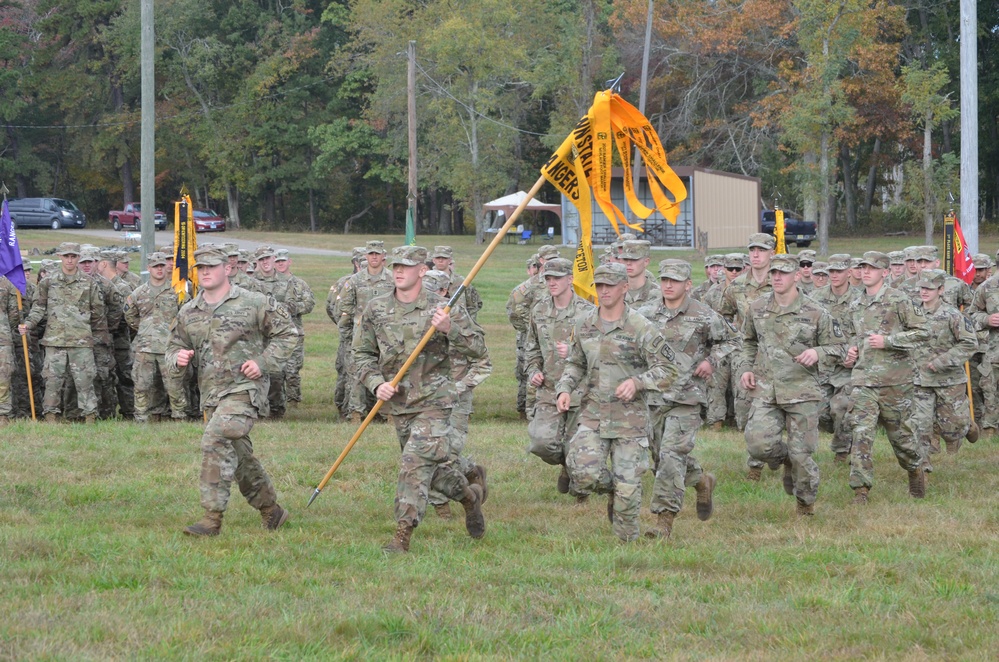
{"x":705,"y":488}
{"x":917,"y":483}
{"x":91,"y":419}
{"x":4,"y":420}
{"x":443,"y":511}
{"x":355,"y":418}
{"x":478,"y":477}
{"x":788,"y":477}
{"x":664,"y":526}
{"x":563,"y":481}
{"x":805,"y":509}
{"x":953,"y":447}
{"x":209,"y":525}
{"x":273,"y":516}
{"x":988,"y":433}
{"x":51,"y":417}
{"x":717,"y":426}
{"x":754,"y":473}
{"x":972,"y":436}
{"x":860,"y":496}
{"x":475,"y":523}
{"x":400,"y":543}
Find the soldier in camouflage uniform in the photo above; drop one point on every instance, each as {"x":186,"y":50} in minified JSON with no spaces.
{"x":820,"y":274}
{"x":786,"y":336}
{"x":642,"y":288}
{"x":236,"y":338}
{"x":343,"y":346}
{"x":444,"y":261}
{"x":114,"y":301}
{"x":940,"y":397}
{"x":122,"y":259}
{"x":714,"y":272}
{"x":466,"y":374}
{"x":984,"y":389}
{"x":743,"y":291}
{"x":806,"y":259}
{"x":388,"y":331}
{"x":837,"y":297}
{"x":700,"y":339}
{"x":983,"y":269}
{"x":616,"y":356}
{"x":10,"y":319}
{"x":304,"y":301}
{"x":121,"y":336}
{"x":885,"y":326}
{"x":150,"y":310}
{"x":362,"y":287}
{"x":984,"y":311}
{"x":896,"y":264}
{"x":550,"y":332}
{"x":279,"y":286}
{"x":721,"y":386}
{"x":518,"y":311}
{"x":71,"y":306}
{"x":20,"y":400}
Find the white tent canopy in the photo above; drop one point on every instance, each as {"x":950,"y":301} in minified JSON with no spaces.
{"x":508,"y":203}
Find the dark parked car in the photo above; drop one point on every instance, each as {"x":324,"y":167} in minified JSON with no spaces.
{"x":796,"y":230}
{"x":205,"y":220}
{"x":52,"y":213}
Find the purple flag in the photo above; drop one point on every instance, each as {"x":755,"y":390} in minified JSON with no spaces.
{"x":10,"y":253}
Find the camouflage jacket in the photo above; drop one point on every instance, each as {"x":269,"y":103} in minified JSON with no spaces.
{"x":387,"y":334}
{"x":473,"y":302}
{"x":713,"y":297}
{"x":521,"y":301}
{"x":773,"y":335}
{"x":150,"y":311}
{"x":743,"y":291}
{"x":838,"y":306}
{"x":889,"y":313}
{"x":602,"y":356}
{"x":10,"y":315}
{"x":695,"y":333}
{"x":242,"y":327}
{"x":305,"y":300}
{"x":121,"y":335}
{"x":985,"y":303}
{"x":333,"y":298}
{"x":114,"y":307}
{"x":468,"y":373}
{"x":549,"y":325}
{"x":647,"y":294}
{"x":957,"y":293}
{"x":132,"y":279}
{"x":244,"y":281}
{"x":72,"y":308}
{"x":952,"y":341}
{"x":277,"y":285}
{"x":806,"y":288}
{"x":910,"y":289}
{"x":359,"y":289}
{"x":697,"y":294}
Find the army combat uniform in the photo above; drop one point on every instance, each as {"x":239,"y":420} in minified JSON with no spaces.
{"x":333,"y":311}
{"x":10,"y":318}
{"x":303,"y":302}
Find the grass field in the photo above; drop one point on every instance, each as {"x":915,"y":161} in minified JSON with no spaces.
{"x":93,"y":564}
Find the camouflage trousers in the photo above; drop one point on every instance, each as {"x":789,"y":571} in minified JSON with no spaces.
{"x":587,"y":459}
{"x":460,"y":415}
{"x":20,"y":400}
{"x":7,"y":367}
{"x":106,"y":382}
{"x":293,"y":370}
{"x":73,"y":365}
{"x":673,"y":431}
{"x":768,"y":423}
{"x":892,"y":405}
{"x":742,"y":401}
{"x":227,"y":456}
{"x":124,"y":384}
{"x":340,"y":390}
{"x":359,"y":399}
{"x":520,"y":372}
{"x":718,"y":383}
{"x":832,"y":415}
{"x":550,"y":430}
{"x":276,"y":397}
{"x":157,"y":390}
{"x":985,"y":391}
{"x":427,"y":463}
{"x":939,"y":409}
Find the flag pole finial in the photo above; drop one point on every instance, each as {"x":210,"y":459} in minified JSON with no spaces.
{"x":4,"y":189}
{"x":614,"y":85}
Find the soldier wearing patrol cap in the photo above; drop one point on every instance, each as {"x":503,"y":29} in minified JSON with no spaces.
{"x":700,"y":339}
{"x":388,"y":331}
{"x":806,"y":259}
{"x":615,"y":357}
{"x":722,"y":386}
{"x":550,"y":331}
{"x":343,"y":347}
{"x":443,"y":259}
{"x":303,"y":302}
{"x":896,"y":263}
{"x":983,"y":269}
{"x":785,"y":338}
{"x":114,"y":301}
{"x":885,"y":327}
{"x":984,"y":311}
{"x":634,"y":255}
{"x":820,"y":274}
{"x":279,"y":286}
{"x":940,"y":397}
{"x":714,"y":270}
{"x":121,"y":335}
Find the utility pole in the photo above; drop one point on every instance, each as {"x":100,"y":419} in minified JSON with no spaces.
{"x":411,"y":108}
{"x":147,"y":176}
{"x":969,"y":123}
{"x":642,"y":94}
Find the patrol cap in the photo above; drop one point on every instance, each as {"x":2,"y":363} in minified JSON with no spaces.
{"x":932,"y":278}
{"x":807,"y":256}
{"x":733,"y":260}
{"x":282,"y":255}
{"x":981,"y":261}
{"x":610,"y":274}
{"x":896,"y":257}
{"x":375,"y":246}
{"x":166,"y":248}
{"x":926,"y":253}
{"x":123,"y":256}
{"x":435,"y":280}
{"x":548,"y":252}
{"x":68,"y":248}
{"x":854,"y":262}
{"x":442,"y":251}
{"x":231,"y":250}
{"x":635,"y":249}
{"x":26,"y":264}
{"x":356,"y":253}
{"x":533,"y":261}
{"x":605,"y":258}
{"x":673,"y":269}
{"x":108,"y":255}
{"x":820,"y":268}
{"x":876,"y":259}
{"x":210,"y":256}
{"x":156,"y":259}
{"x":839,"y":262}
{"x":558,"y":267}
{"x":745,"y":260}
{"x":717,"y":260}
{"x":47,"y":264}
{"x":407,"y":256}
{"x":89,"y":255}
{"x":762,"y":240}
{"x":244,"y":256}
{"x":910,"y":253}
{"x":262,"y":252}
{"x":785,"y":263}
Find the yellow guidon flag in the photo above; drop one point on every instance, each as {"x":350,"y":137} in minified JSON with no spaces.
{"x":781,"y":246}
{"x":185,"y":277}
{"x":581,"y":170}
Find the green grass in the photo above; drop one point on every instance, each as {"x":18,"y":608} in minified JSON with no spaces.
{"x":94,"y":566}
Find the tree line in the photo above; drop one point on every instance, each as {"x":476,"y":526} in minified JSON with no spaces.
{"x":292,"y":113}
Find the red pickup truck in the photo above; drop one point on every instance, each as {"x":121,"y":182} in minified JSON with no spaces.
{"x":131,"y":217}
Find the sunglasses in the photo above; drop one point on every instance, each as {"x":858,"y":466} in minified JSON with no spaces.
{"x":733,"y":269}
{"x":805,"y":264}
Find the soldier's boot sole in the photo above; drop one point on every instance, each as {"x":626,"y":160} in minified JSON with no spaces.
{"x":804,"y":509}
{"x":973,"y":434}
{"x":478,"y":477}
{"x":443,"y":511}
{"x":917,"y":483}
{"x":400,"y":542}
{"x":664,"y":526}
{"x":273,"y":517}
{"x":860,"y":496}
{"x":788,"y":478}
{"x":705,"y":503}
{"x":563,"y":481}
{"x":209,"y":525}
{"x":475,"y":523}
{"x":754,"y":474}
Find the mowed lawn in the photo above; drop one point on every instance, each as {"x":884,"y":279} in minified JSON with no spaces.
{"x":93,"y":564}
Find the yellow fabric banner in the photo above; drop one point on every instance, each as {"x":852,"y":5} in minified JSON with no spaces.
{"x":582,"y":167}
{"x":779,"y":230}
{"x":184,"y":278}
